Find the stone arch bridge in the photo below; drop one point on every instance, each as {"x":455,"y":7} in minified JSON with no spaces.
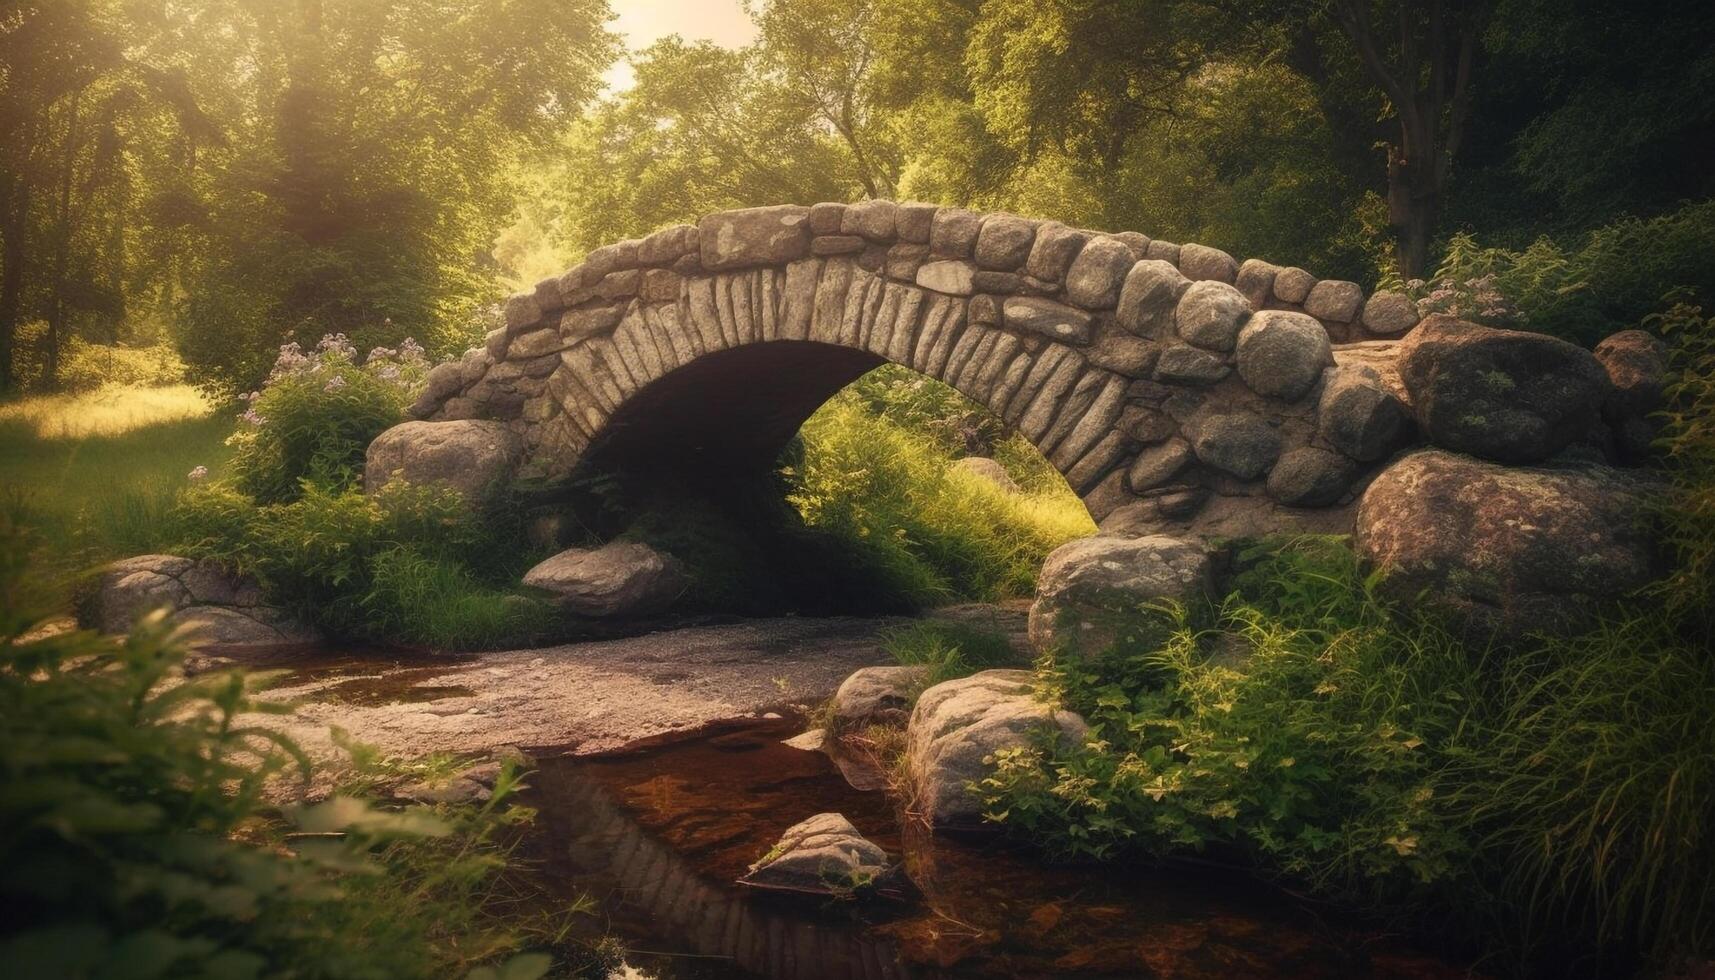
{"x":1170,"y":384}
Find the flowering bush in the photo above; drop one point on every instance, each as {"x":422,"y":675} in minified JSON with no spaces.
{"x":1477,"y":299}
{"x":316,"y":414}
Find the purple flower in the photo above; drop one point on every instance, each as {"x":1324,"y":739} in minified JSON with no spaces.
{"x":335,"y":383}
{"x":198,"y":475}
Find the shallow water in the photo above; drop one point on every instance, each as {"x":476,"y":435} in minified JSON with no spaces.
{"x":658,"y":833}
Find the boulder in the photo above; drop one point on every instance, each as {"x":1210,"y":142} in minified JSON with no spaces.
{"x":823,"y":855}
{"x":618,"y":579}
{"x":1282,"y":354}
{"x":1636,"y":363}
{"x":1067,"y":324}
{"x":1149,"y":297}
{"x":1335,"y":301}
{"x":1389,"y":314}
{"x":1210,"y":315}
{"x":1056,"y":246}
{"x":1091,"y":592}
{"x":1157,"y":464}
{"x":1513,"y":549}
{"x":874,"y":219}
{"x":212,"y":605}
{"x":876,"y":696}
{"x":984,"y":468}
{"x":958,"y":726}
{"x":1358,"y":415}
{"x":1505,"y":395}
{"x":952,"y":276}
{"x":1256,"y":281}
{"x":1004,"y":242}
{"x":754,"y":236}
{"x":1200,"y":262}
{"x":953,"y":233}
{"x":1293,"y":285}
{"x":1241,"y":443}
{"x":476,"y":457}
{"x":1098,"y":273}
{"x":1310,"y":477}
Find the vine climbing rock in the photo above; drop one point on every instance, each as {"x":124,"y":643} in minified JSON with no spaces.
{"x":1507,"y":549}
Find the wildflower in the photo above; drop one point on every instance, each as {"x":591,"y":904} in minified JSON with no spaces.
{"x":335,"y":383}
{"x":251,"y":417}
{"x":198,"y":475}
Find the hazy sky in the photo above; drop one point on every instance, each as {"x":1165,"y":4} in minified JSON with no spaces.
{"x":643,"y":22}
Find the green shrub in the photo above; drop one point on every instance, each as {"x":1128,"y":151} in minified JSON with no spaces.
{"x":886,"y":491}
{"x":135,"y":841}
{"x":1549,"y":801}
{"x":407,"y":563}
{"x":1616,"y":277}
{"x":318,"y":412}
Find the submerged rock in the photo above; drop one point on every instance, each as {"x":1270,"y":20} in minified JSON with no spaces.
{"x":959,"y":725}
{"x":214,"y":606}
{"x":1514,"y":549}
{"x":1091,"y":591}
{"x":824,"y":855}
{"x":620,"y":578}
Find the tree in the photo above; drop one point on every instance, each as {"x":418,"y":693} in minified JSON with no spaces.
{"x":1423,"y":65}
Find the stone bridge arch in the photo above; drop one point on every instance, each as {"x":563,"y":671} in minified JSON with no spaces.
{"x":1171,"y":385}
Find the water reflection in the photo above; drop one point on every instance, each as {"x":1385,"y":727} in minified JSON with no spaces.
{"x":658,"y":835}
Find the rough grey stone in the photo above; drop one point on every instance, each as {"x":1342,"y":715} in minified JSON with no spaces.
{"x":1334,"y":300}
{"x":1200,"y":262}
{"x":1310,"y":477}
{"x":618,"y":579}
{"x":876,"y":696}
{"x":958,"y":726}
{"x":1210,"y":315}
{"x":1506,"y":395}
{"x":873,"y":219}
{"x":1162,"y":251}
{"x":1123,"y":352}
{"x":1157,"y":464}
{"x":1057,"y":320}
{"x":953,"y":233}
{"x":1256,"y":281}
{"x":837,"y":244}
{"x":1241,"y":443}
{"x":1282,"y":354}
{"x":1147,"y":300}
{"x":914,"y":221}
{"x":210,"y":604}
{"x":754,"y":236}
{"x":823,"y":855}
{"x":826,"y":218}
{"x":522,"y":311}
{"x":1055,"y":248}
{"x":951,"y":276}
{"x":986,"y":469}
{"x":1389,"y":313}
{"x":1636,"y":363}
{"x":1098,"y":273}
{"x":1555,"y":543}
{"x":1293,"y":285}
{"x":1358,"y":415}
{"x":1004,"y":241}
{"x":1186,"y":365}
{"x":1091,"y":592}
{"x":475,"y":457}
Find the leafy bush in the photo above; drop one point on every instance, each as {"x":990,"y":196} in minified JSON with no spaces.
{"x":1616,"y":277}
{"x":135,"y":840}
{"x":886,"y":490}
{"x":404,"y":564}
{"x":316,"y":415}
{"x":1551,"y":799}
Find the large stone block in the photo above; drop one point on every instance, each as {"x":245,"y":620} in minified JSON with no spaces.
{"x":1147,"y":300}
{"x":1282,"y":354}
{"x":475,"y":457}
{"x":1044,"y":316}
{"x":1004,"y":242}
{"x":1098,"y":273}
{"x":1092,"y":592}
{"x":754,"y":236}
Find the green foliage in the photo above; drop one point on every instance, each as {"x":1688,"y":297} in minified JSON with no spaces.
{"x":408,"y":563}
{"x":1544,"y":799}
{"x":135,"y":841}
{"x":1618,"y":275}
{"x":1688,"y":446}
{"x":950,"y":650}
{"x":313,"y":420}
{"x":886,"y":491}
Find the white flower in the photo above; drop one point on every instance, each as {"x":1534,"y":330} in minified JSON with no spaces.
{"x":198,"y":475}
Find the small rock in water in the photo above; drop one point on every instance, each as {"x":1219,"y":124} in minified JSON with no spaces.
{"x":824,"y":855}
{"x":810,"y":741}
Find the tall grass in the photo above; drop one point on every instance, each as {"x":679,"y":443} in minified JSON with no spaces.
{"x":942,"y":535}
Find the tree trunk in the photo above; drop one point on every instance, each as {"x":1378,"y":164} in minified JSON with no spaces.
{"x":62,"y":249}
{"x":1412,"y":211}
{"x":14,"y":258}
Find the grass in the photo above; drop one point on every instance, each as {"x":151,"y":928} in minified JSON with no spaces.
{"x":100,"y":470}
{"x":949,"y":650}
